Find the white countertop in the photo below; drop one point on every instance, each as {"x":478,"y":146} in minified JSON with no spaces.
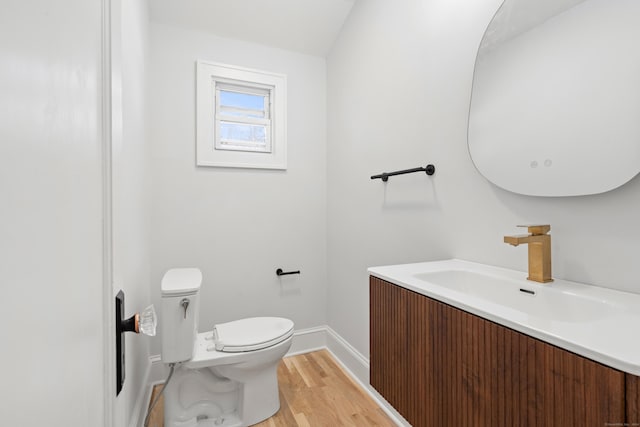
{"x":598,"y":323}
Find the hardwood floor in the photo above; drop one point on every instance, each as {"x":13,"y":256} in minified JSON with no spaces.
{"x":314,"y":392}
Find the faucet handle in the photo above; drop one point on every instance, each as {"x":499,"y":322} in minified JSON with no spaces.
{"x":537,"y":230}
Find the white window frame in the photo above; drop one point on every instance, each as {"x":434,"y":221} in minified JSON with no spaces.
{"x":210,"y":150}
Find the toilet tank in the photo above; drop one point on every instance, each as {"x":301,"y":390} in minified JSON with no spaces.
{"x":180,"y":289}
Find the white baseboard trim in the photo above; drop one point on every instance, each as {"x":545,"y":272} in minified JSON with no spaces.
{"x":304,"y":341}
{"x":159,"y":370}
{"x":308,"y":340}
{"x":356,"y":363}
{"x":357,"y":366}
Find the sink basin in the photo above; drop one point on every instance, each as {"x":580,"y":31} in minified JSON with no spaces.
{"x":599,"y":323}
{"x":542,"y":301}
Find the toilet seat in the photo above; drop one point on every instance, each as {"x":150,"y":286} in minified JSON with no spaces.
{"x":254,"y":333}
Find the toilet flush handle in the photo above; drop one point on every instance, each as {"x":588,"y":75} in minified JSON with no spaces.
{"x":185,"y":303}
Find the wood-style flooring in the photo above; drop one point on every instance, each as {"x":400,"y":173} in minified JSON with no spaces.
{"x":314,"y":392}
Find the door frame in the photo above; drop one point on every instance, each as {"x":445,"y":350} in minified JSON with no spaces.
{"x":108,"y":304}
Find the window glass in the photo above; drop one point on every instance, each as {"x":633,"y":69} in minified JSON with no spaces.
{"x":240,"y":135}
{"x":242,"y":121}
{"x":242,"y":104}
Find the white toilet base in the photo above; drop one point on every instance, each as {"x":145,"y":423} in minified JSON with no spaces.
{"x":259,"y":390}
{"x":242,"y":392}
{"x":228,"y":421}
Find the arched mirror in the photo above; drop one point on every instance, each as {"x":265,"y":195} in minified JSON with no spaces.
{"x":555,"y":105}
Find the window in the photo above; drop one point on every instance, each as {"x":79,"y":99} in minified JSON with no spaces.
{"x":241,"y":117}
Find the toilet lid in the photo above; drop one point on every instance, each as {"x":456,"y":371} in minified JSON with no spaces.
{"x":251,"y":334}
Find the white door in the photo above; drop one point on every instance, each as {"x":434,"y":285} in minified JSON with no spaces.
{"x":51,"y":215}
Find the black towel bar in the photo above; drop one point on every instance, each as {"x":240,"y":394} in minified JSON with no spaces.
{"x":429,"y":169}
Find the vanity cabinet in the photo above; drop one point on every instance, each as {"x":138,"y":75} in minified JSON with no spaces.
{"x":632,"y":400}
{"x":441,"y":366}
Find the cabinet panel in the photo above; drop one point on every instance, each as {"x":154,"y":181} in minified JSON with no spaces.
{"x":632,"y":400}
{"x":388,"y":342}
{"x":460,"y":369}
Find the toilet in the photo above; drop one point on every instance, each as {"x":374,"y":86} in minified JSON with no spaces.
{"x":223,"y":377}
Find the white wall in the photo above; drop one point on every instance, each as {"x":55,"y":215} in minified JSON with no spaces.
{"x":131,"y":189}
{"x":399,"y":81}
{"x":51,"y":249}
{"x":238,"y":225}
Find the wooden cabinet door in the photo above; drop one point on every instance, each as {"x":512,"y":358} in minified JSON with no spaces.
{"x":632,"y":400}
{"x":388,"y":341}
{"x":441,"y":366}
{"x":465,"y":370}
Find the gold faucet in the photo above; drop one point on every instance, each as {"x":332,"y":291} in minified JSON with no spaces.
{"x":539,"y":251}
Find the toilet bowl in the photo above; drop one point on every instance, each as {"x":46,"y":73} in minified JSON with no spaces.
{"x":223,"y":377}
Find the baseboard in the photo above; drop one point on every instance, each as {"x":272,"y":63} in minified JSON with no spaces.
{"x":308,"y":340}
{"x":159,"y":370}
{"x":352,"y":359}
{"x":304,"y":341}
{"x":356,"y":365}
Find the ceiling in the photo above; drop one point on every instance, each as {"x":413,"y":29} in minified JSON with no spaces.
{"x":306,"y":26}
